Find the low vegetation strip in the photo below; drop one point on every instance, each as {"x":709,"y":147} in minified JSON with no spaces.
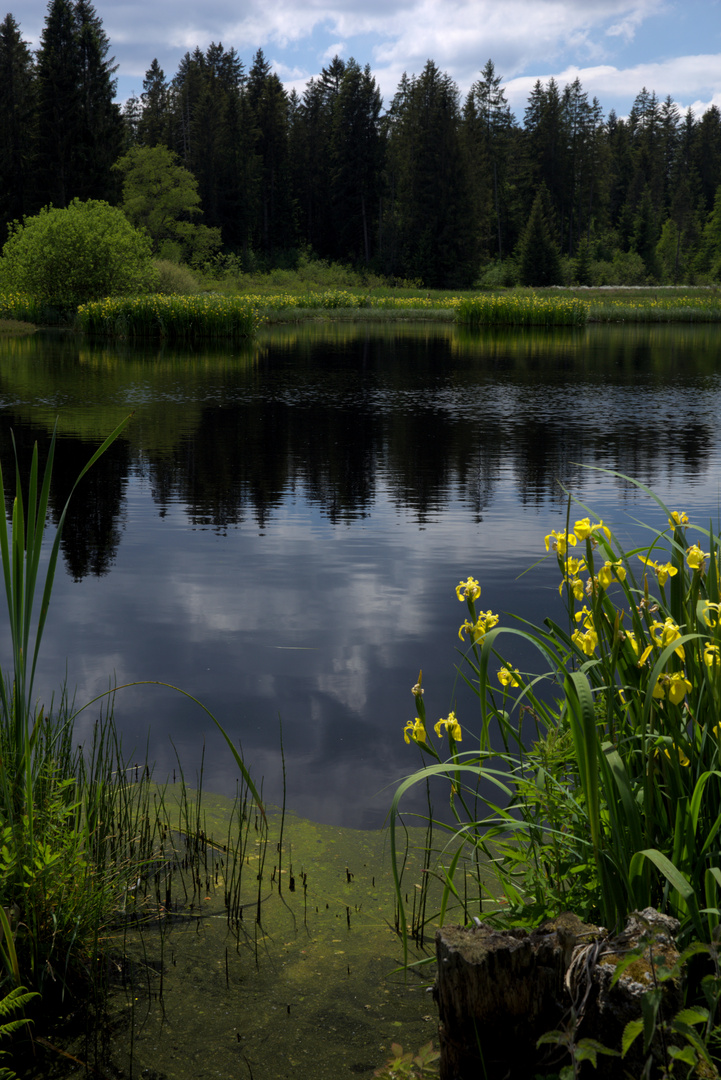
{"x":216,"y":315}
{"x":657,"y":309}
{"x":521,"y":310}
{"x":17,"y":305}
{"x":172,"y":317}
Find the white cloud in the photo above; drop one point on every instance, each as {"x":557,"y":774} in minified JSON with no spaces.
{"x":526,"y":39}
{"x":337,"y":49}
{"x":681,"y":77}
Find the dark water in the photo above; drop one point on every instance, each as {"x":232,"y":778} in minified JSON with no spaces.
{"x":282,"y":526}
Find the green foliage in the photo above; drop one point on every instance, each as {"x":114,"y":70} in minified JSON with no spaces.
{"x":16,"y":999}
{"x":516,"y":309}
{"x":171,"y":317}
{"x":538,"y":255}
{"x":85,"y":251}
{"x":175,"y":279}
{"x":409,"y":1065}
{"x":44,"y":870}
{"x":161,"y":196}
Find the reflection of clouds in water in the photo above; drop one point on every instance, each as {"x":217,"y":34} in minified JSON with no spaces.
{"x":348,"y":680}
{"x":327,"y":624}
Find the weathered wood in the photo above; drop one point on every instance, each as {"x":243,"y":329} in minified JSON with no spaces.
{"x":499,"y":991}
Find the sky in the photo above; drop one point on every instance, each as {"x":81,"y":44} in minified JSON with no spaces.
{"x":615,"y":47}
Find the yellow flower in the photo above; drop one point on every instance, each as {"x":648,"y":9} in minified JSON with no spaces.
{"x":708,"y":618}
{"x":416,"y":731}
{"x":669,"y":632}
{"x":663,"y":570}
{"x":509,"y":677}
{"x":677,"y":519}
{"x":574,"y":566}
{"x":682,"y":758}
{"x":480,"y":628}
{"x":586,"y":616}
{"x":584,"y":529}
{"x":586,"y":642}
{"x":695,"y":558}
{"x":575,"y":585}
{"x":711,"y":654}
{"x":453,"y":728}
{"x":674,"y":687}
{"x":608,"y":571}
{"x":559,"y":541}
{"x":468,"y":590}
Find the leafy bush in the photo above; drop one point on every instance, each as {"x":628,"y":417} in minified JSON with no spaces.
{"x":175,"y":279}
{"x":83,"y":252}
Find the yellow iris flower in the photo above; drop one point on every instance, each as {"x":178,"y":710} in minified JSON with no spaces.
{"x":478,"y":630}
{"x":674,"y":687}
{"x":610,"y":570}
{"x":677,"y":519}
{"x":453,"y":728}
{"x":711,"y":655}
{"x":663,"y":570}
{"x":416,"y":731}
{"x":587,"y":642}
{"x":509,"y":677}
{"x":696,"y":558}
{"x":584,"y":529}
{"x":665,"y":633}
{"x":559,"y":541}
{"x":708,"y":618}
{"x":468,"y":590}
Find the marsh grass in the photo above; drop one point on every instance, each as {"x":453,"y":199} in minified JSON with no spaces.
{"x":174,"y":318}
{"x":23,"y":308}
{"x":657,"y":309}
{"x":518,"y":309}
{"x":86,"y":839}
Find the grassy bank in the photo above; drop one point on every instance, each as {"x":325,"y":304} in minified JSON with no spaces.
{"x":231,"y":314}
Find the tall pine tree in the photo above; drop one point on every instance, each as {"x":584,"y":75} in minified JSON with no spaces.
{"x":17,"y":126}
{"x":80,"y":128}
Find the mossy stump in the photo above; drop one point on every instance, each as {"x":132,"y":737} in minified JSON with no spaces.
{"x":499,"y":991}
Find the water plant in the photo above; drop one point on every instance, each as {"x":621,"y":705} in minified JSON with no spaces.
{"x":81,"y":840}
{"x":521,"y":309}
{"x":593,"y":784}
{"x":170,"y":317}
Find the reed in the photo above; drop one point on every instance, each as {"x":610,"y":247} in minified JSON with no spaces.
{"x":593,"y":782}
{"x":174,"y":318}
{"x":520,"y":309}
{"x":657,"y":309}
{"x":20,"y":306}
{"x":88,"y":842}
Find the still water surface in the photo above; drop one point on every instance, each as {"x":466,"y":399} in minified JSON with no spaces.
{"x":281,"y":528}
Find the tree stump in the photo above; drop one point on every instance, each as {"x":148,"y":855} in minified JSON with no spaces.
{"x":499,"y":991}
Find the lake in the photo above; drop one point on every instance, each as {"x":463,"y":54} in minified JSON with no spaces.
{"x":281,"y":527}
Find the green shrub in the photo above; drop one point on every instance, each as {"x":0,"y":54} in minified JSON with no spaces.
{"x":175,"y":279}
{"x":83,"y":252}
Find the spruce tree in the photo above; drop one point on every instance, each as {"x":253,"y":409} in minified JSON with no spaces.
{"x":539,"y":261}
{"x":356,"y":158}
{"x":17,"y":125}
{"x":80,"y":128}
{"x":154,"y":123}
{"x":429,"y":217}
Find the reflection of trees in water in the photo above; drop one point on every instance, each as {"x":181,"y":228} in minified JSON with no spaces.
{"x":425,"y":420}
{"x":92,"y":525}
{"x":431,"y":422}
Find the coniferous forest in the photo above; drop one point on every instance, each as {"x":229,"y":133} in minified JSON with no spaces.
{"x":429,"y":186}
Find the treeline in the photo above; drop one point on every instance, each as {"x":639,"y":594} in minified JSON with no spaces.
{"x":433,"y":187}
